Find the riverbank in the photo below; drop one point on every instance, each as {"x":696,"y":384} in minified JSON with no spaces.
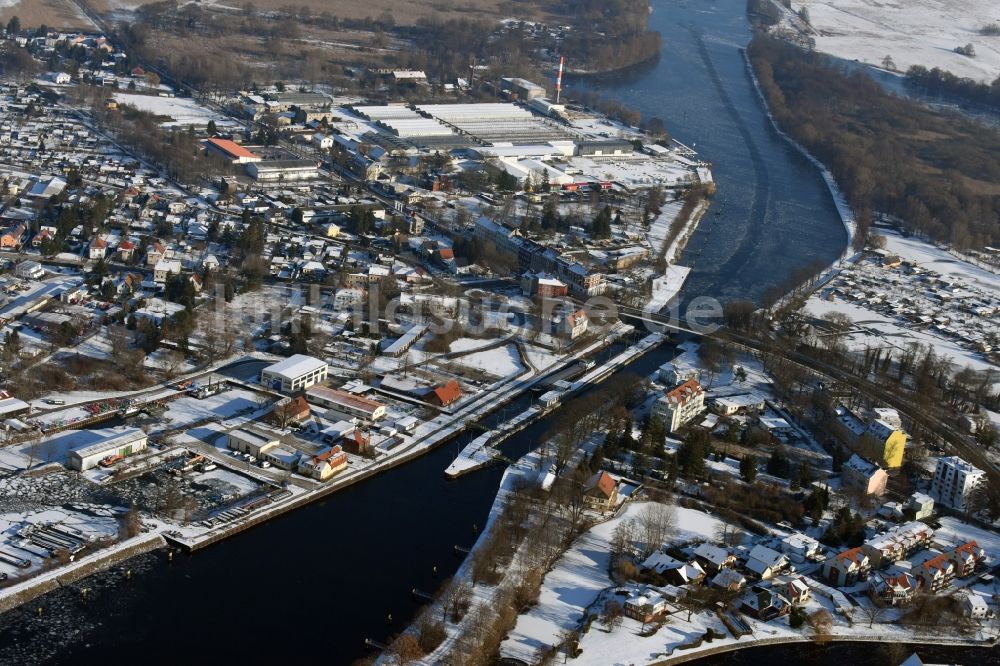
{"x":710,"y":649}
{"x":49,"y":581}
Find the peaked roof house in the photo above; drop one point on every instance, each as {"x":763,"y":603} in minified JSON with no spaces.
{"x":966,"y":557}
{"x":446,"y":394}
{"x":797,"y":590}
{"x":714,"y":558}
{"x":892,"y":589}
{"x":846,"y":567}
{"x":675,"y":571}
{"x":98,"y":248}
{"x":729,"y":579}
{"x":766,"y":562}
{"x":601,"y":492}
{"x":937,"y":572}
{"x":764,"y":603}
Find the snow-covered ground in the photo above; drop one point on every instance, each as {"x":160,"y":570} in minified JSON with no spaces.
{"x":575,"y":582}
{"x":499,"y":362}
{"x":911,"y":32}
{"x":184,"y":111}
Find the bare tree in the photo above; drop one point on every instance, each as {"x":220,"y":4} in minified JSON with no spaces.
{"x":612,"y":614}
{"x":656,"y":522}
{"x":874,"y":612}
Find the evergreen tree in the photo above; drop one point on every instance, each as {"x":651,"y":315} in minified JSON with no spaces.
{"x":748,"y":468}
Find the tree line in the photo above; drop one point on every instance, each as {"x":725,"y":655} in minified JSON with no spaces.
{"x":938,"y":172}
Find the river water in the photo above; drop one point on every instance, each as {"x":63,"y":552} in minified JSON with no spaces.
{"x":311,"y":585}
{"x":772,"y":214}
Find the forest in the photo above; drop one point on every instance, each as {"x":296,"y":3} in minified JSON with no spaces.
{"x":937,"y":172}
{"x":938,"y":81}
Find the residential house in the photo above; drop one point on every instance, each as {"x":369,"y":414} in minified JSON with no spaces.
{"x":937,"y":572}
{"x":797,"y":591}
{"x":974,"y":606}
{"x":645,"y":606}
{"x":892,"y":589}
{"x":154,"y":252}
{"x":799,"y":548}
{"x":847,"y":567}
{"x":126,"y":250}
{"x":729,"y":580}
{"x":357,"y":442}
{"x":29,"y":270}
{"x":897,"y":543}
{"x":164,"y":269}
{"x":98,"y":249}
{"x":600,"y":493}
{"x":713,"y":558}
{"x":324,"y":464}
{"x":681,"y":405}
{"x":572,"y":323}
{"x":966,"y":558}
{"x":673,"y":570}
{"x":919,"y":507}
{"x":766,"y":562}
{"x":446,"y":394}
{"x":12,"y":237}
{"x":864,"y":477}
{"x":764,"y":603}
{"x":289,"y":410}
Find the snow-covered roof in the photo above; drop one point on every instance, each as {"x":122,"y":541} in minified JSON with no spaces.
{"x":295,"y":366}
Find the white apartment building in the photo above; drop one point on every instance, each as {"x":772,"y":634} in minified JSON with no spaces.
{"x":680,"y":405}
{"x":955,"y":482}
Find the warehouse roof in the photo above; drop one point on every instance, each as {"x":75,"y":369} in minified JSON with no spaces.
{"x":295,"y":366}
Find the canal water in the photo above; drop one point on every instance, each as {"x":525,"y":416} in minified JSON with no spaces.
{"x":311,"y":585}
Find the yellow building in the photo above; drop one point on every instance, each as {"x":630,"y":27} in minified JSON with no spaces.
{"x":883,"y":443}
{"x":332,"y":230}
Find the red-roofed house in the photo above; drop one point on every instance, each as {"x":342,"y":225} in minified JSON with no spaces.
{"x":446,"y":394}
{"x":98,"y":248}
{"x":966,"y":557}
{"x":847,"y":567}
{"x":573,"y":324}
{"x":288,"y":410}
{"x":126,"y":249}
{"x":44,"y":234}
{"x":154,"y":252}
{"x":357,"y":442}
{"x":12,"y":237}
{"x":601,"y":492}
{"x":937,"y":572}
{"x":679,"y":406}
{"x":231,"y":151}
{"x":324,"y":464}
{"x":890,"y":590}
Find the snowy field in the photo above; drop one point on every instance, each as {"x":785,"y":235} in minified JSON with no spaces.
{"x":499,"y":362}
{"x":912,"y":32}
{"x":184,"y":112}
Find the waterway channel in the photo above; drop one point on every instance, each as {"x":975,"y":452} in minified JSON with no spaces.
{"x":311,"y":585}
